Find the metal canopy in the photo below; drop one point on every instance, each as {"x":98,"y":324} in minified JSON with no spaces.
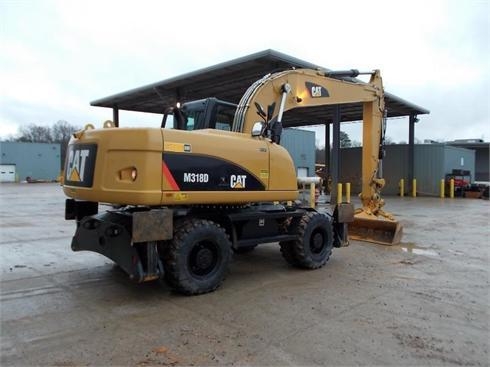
{"x":229,"y":81}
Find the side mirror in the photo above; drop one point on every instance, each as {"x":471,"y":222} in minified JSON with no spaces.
{"x":260,"y":110}
{"x":270,"y":111}
{"x":257,"y":128}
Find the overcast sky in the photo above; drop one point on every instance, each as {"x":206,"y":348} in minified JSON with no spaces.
{"x":57,"y":56}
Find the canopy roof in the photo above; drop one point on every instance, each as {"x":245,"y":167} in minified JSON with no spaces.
{"x":229,"y":81}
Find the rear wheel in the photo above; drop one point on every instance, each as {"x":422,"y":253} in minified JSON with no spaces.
{"x":314,"y":245}
{"x":197,"y":258}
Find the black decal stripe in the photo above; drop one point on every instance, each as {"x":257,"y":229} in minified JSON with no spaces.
{"x":219,"y":172}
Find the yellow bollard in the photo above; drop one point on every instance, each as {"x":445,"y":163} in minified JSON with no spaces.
{"x":414,"y":188}
{"x":442,"y":189}
{"x":347,"y":192}
{"x":312,"y":195}
{"x":402,"y":187}
{"x":451,"y":188}
{"x":339,"y":193}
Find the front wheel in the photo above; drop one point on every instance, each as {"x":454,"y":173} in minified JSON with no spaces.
{"x":313,"y":247}
{"x":197,"y":258}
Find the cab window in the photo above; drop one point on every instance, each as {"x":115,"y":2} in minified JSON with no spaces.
{"x":224,"y":117}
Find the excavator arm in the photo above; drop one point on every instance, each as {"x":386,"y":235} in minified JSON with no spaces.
{"x":304,"y":88}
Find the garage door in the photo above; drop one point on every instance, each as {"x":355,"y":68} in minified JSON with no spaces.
{"x":302,"y":171}
{"x":7,"y":172}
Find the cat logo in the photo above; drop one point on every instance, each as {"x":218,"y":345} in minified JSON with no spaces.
{"x":80,"y":164}
{"x":76,"y":164}
{"x":316,"y":91}
{"x":237,"y":181}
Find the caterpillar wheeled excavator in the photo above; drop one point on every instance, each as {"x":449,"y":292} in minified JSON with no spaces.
{"x":183,"y":199}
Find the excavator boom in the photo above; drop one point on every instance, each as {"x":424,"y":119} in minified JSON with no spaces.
{"x":303,"y":88}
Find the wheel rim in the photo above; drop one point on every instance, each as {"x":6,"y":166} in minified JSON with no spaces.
{"x":317,"y":242}
{"x":203,"y":258}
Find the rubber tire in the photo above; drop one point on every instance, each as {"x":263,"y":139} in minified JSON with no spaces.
{"x":178,"y":255}
{"x":311,"y":228}
{"x":288,"y":252}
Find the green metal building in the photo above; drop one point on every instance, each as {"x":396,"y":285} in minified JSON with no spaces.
{"x":38,"y":161}
{"x":301,"y":146}
{"x":432,"y":162}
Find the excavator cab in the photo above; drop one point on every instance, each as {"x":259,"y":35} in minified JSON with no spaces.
{"x":208,"y":113}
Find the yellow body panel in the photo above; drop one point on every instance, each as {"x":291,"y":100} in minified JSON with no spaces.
{"x":120,"y":150}
{"x":269,"y":163}
{"x":282,"y":175}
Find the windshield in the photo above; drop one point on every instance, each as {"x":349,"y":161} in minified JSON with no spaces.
{"x":224,"y":117}
{"x":191,"y":119}
{"x":203,"y":114}
{"x":187,"y":120}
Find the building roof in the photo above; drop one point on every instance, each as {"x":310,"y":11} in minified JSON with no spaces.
{"x":229,"y":81}
{"x":470,"y":143}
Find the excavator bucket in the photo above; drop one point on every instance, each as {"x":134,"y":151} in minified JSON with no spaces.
{"x":371,"y":228}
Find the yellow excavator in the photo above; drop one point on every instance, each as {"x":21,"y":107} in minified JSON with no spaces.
{"x":181,"y":200}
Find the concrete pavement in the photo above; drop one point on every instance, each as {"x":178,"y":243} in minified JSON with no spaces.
{"x":425,"y":302}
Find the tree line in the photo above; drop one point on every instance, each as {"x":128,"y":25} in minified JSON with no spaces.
{"x":59,"y":133}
